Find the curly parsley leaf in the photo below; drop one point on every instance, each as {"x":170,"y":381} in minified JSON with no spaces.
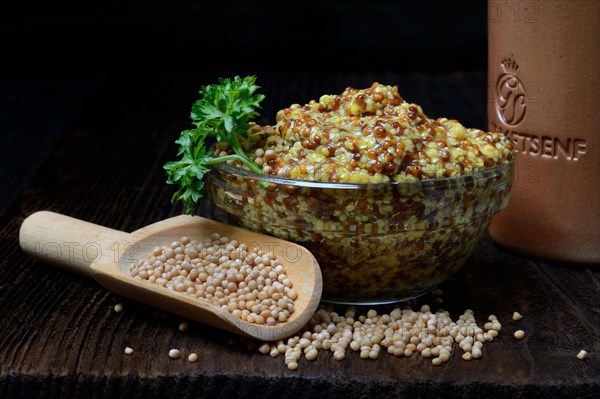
{"x":223,"y":112}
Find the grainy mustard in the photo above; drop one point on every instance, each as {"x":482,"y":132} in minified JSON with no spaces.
{"x":372,"y":136}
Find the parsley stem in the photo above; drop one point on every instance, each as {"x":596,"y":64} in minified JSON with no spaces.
{"x":237,"y":148}
{"x":236,"y":157}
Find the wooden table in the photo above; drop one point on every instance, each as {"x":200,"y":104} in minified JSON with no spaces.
{"x":93,"y":147}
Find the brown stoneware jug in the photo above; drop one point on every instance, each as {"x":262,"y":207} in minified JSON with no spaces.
{"x":544,"y":93}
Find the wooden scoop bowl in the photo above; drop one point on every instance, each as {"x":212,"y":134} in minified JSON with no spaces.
{"x":107,"y":255}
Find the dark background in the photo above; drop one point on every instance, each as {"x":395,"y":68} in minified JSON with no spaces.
{"x":100,"y":36}
{"x":55,"y":55}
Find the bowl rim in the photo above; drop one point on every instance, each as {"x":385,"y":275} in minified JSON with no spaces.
{"x":481,"y":175}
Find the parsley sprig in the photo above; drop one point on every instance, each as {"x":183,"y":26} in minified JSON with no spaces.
{"x":222,"y":112}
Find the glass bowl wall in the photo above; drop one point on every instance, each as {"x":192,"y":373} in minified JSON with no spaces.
{"x":375,"y":243}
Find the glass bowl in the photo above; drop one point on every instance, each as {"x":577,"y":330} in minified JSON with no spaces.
{"x":375,"y":243}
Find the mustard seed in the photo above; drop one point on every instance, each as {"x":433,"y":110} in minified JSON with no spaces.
{"x":264,"y":348}
{"x":516,"y":316}
{"x":174,"y":354}
{"x":128,"y":351}
{"x":193,"y":358}
{"x":313,"y":353}
{"x":118,"y":308}
{"x":183,"y":326}
{"x":444,"y":357}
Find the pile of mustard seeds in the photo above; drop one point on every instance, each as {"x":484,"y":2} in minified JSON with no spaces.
{"x":244,"y":280}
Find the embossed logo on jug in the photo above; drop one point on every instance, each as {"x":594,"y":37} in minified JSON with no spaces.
{"x":510,"y":94}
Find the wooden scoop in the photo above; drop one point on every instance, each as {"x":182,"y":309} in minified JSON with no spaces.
{"x":107,"y":255}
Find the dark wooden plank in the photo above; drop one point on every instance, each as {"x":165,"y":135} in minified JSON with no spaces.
{"x":61,"y":337}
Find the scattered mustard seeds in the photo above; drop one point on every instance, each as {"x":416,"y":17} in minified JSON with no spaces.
{"x":402,"y":333}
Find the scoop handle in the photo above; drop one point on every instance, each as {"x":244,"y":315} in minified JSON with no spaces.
{"x":69,"y":243}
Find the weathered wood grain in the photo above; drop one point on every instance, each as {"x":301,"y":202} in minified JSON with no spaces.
{"x":59,"y":335}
